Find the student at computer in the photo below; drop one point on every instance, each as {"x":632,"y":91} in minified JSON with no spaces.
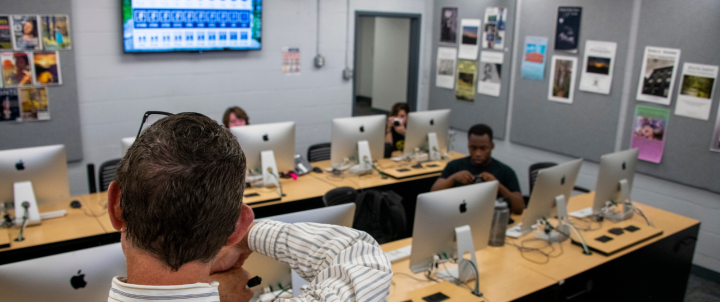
{"x":235,"y":116}
{"x":185,"y":232}
{"x":395,"y":132}
{"x":480,"y":166}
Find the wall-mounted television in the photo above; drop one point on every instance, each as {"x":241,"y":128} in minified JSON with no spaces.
{"x":191,"y":25}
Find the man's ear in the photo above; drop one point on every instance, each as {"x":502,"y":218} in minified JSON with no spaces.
{"x":114,"y":210}
{"x":241,"y":226}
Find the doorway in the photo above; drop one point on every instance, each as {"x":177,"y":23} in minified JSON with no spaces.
{"x":387,"y":54}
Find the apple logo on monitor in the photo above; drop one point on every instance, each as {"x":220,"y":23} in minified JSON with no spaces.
{"x":562,"y":181}
{"x":78,"y":281}
{"x":362,"y":129}
{"x":266,"y":138}
{"x":463,"y":207}
{"x":20,"y":166}
{"x":432,"y":122}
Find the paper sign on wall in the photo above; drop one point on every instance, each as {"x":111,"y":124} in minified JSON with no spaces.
{"x":291,"y":60}
{"x":490,"y":73}
{"x":33,"y":104}
{"x":494,"y":30}
{"x":567,"y":30}
{"x":446,"y":59}
{"x":469,"y":39}
{"x":657,"y":75}
{"x":649,"y":128}
{"x":5,"y":33}
{"x":9,"y":105}
{"x":715,"y":141}
{"x":448,"y":25}
{"x":533,"y":64}
{"x":563,"y":79}
{"x":597,"y":68}
{"x":696,"y":91}
{"x":465,"y":87}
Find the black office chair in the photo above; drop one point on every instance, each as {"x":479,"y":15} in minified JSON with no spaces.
{"x":106,"y":173}
{"x":339,"y":195}
{"x":532,"y":176}
{"x":318,"y":152}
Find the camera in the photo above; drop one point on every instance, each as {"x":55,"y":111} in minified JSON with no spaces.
{"x":479,"y":179}
{"x":397,"y":121}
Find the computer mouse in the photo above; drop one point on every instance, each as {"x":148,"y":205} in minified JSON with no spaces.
{"x":317,"y":170}
{"x":75,"y":204}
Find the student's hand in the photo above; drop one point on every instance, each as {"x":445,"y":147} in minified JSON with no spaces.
{"x":487,"y":176}
{"x":233,"y":285}
{"x":390,"y":123}
{"x":234,"y":256}
{"x":463,"y":177}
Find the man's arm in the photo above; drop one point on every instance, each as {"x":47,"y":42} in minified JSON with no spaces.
{"x":340,"y":263}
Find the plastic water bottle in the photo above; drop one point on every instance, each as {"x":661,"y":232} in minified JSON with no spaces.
{"x":499,"y":223}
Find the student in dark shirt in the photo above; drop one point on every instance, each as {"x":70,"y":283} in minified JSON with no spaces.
{"x":395,"y":133}
{"x":480,"y":164}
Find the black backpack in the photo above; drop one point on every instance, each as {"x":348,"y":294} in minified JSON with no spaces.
{"x":380,"y":214}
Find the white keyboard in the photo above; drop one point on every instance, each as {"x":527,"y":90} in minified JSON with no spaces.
{"x":514,"y":231}
{"x":582,"y":213}
{"x":399,"y":254}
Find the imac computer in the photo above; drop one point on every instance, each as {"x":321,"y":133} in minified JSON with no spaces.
{"x":614,"y":183}
{"x":125,"y":144}
{"x":269,"y":149}
{"x":427,"y":131}
{"x":362,"y":138}
{"x":464,"y":213}
{"x":274,"y":272}
{"x":37,"y":175}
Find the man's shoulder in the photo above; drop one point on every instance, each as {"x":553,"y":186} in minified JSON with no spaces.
{"x":459,"y":163}
{"x":502,"y":166}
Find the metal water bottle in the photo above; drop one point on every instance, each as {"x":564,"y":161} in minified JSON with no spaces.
{"x":499,"y":223}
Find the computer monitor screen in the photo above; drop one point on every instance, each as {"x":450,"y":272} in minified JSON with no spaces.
{"x":614,"y":168}
{"x":278,"y":137}
{"x":347,"y":132}
{"x":550,"y":183}
{"x":419,"y":124}
{"x":125,"y":144}
{"x":45,"y":167}
{"x":191,"y":25}
{"x":438,"y":214}
{"x":272,"y":271}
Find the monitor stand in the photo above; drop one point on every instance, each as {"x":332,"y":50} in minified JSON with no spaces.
{"x":364,"y":156}
{"x":23,"y":191}
{"x":464,"y":271}
{"x":433,"y":147}
{"x":563,"y":227}
{"x":269,"y":170}
{"x":624,"y":204}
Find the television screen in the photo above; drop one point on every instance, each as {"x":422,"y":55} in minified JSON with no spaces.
{"x":191,"y":25}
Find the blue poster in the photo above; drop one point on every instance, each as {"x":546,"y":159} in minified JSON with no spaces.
{"x":534,"y":57}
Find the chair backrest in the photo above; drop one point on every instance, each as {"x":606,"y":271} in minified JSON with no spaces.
{"x":106,"y":173}
{"x":319,"y":152}
{"x":533,"y":172}
{"x":339,"y":195}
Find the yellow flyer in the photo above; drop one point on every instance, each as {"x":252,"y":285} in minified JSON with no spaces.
{"x":466,"y":78}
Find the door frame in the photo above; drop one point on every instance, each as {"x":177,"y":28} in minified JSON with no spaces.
{"x":413,"y":56}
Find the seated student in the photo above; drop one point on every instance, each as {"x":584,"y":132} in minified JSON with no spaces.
{"x":235,"y":116}
{"x":185,"y":232}
{"x":480,"y":166}
{"x":395,"y":133}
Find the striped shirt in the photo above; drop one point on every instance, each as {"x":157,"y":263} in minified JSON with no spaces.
{"x":341,"y":264}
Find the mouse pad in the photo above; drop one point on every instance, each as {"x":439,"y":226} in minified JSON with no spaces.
{"x":403,"y":170}
{"x":252,"y":195}
{"x":432,"y":166}
{"x":616,"y":231}
{"x":632,"y":228}
{"x":603,"y":239}
{"x":436,"y":297}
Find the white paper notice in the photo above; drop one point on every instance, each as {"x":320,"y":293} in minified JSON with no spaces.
{"x":489,"y":75}
{"x":696,"y":91}
{"x":597,"y":69}
{"x":657,"y":74}
{"x":469,"y":39}
{"x":715,"y":140}
{"x":445,"y":75}
{"x":562,"y":80}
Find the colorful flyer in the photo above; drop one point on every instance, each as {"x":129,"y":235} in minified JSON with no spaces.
{"x":5,"y":33}
{"x":597,"y":68}
{"x":448,"y":25}
{"x":494,"y":30}
{"x":657,"y":74}
{"x":696,"y":91}
{"x":563,"y":79}
{"x":55,"y":32}
{"x":33,"y":104}
{"x":715,"y":141}
{"x":469,"y":40}
{"x":25,"y":32}
{"x":567,"y":30}
{"x":465,"y":88}
{"x":9,"y":105}
{"x":490,"y":72}
{"x":533,"y":64}
{"x":446,"y":59}
{"x":47,"y":68}
{"x":649,"y":128}
{"x":291,"y":60}
{"x":17,"y":68}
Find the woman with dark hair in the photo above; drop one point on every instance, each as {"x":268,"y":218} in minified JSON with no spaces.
{"x":29,"y":39}
{"x":395,"y":130}
{"x":234,"y":117}
{"x":22,"y":75}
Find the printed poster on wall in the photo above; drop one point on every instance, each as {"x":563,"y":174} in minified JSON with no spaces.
{"x":465,"y":87}
{"x":5,"y":33}
{"x":598,"y":65}
{"x":696,"y":91}
{"x":494,"y":30}
{"x":563,"y":78}
{"x":33,"y":104}
{"x":490,"y":73}
{"x":533,"y":64}
{"x":47,"y":68}
{"x":55,"y":32}
{"x":567,"y":30}
{"x":448,"y":25}
{"x":25,"y":32}
{"x":291,"y":60}
{"x":715,"y":141}
{"x":657,"y":74}
{"x":469,"y":40}
{"x":649,"y":128}
{"x":446,"y":59}
{"x":9,"y":105}
{"x":16,"y":68}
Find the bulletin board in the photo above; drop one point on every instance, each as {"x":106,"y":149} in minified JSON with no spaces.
{"x":64,"y":124}
{"x":484,"y":109}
